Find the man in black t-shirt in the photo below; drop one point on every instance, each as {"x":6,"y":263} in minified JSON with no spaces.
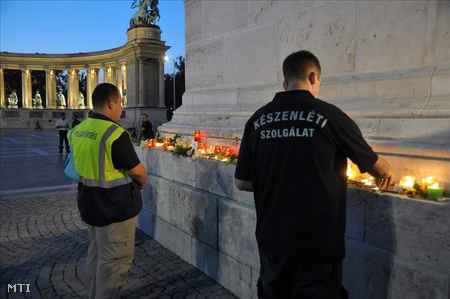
{"x":293,"y":156}
{"x":146,"y":129}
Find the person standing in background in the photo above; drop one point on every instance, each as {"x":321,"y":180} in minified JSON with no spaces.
{"x":75,"y":121}
{"x":146,"y":129}
{"x":63,"y":125}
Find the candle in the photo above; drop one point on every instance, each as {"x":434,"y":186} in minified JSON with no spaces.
{"x":154,"y":141}
{"x":165,"y":144}
{"x":227,"y":152}
{"x":407,"y":182}
{"x":434,"y":191}
{"x":170,"y":147}
{"x":197,"y":136}
{"x":150,"y":145}
{"x":217,"y":150}
{"x":425,"y":182}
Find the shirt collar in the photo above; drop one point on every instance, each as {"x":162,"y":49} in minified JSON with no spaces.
{"x":100,"y":116}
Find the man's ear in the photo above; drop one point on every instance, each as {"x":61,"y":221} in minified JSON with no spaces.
{"x":110,"y":104}
{"x":312,"y":77}
{"x":285,"y":85}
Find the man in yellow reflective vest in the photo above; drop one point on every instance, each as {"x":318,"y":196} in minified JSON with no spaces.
{"x":109,"y":197}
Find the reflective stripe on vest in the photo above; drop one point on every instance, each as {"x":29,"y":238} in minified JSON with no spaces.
{"x":101,"y":181}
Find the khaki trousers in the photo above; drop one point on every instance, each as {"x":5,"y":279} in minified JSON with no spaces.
{"x":111,"y":252}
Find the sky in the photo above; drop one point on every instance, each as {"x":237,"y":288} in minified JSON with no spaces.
{"x":63,"y":26}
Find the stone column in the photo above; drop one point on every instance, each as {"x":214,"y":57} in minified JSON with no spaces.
{"x":141,"y":93}
{"x":161,"y":83}
{"x":113,"y":75}
{"x":91,"y":83}
{"x":72,"y":89}
{"x":2,"y":90}
{"x":50,"y":90}
{"x":26,"y":88}
{"x":106,"y":71}
{"x":125,"y":77}
{"x":119,"y":79}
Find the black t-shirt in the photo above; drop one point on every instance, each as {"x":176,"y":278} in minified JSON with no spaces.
{"x":294,"y":150}
{"x":148,"y":130}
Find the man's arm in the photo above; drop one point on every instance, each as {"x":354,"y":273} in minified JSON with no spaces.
{"x":382,"y":171}
{"x":139,"y":175}
{"x":244,"y":185}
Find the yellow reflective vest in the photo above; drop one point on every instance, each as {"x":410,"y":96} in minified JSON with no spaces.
{"x":93,"y":140}
{"x":105,"y":194}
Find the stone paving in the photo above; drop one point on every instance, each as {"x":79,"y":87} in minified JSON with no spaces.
{"x":43,"y":249}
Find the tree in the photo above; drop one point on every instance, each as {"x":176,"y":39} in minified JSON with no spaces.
{"x":38,"y":83}
{"x":82,"y":82}
{"x":61,"y":82}
{"x":13,"y":82}
{"x":180,"y":85}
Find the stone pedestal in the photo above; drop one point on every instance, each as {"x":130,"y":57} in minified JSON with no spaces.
{"x":145,"y":68}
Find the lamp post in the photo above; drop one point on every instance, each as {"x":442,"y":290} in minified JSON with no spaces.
{"x":174,"y":99}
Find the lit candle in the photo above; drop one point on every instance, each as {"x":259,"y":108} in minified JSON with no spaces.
{"x":227,"y":152}
{"x":165,"y":144}
{"x":150,"y":145}
{"x":434,"y":191}
{"x":407,"y":182}
{"x":154,"y":141}
{"x":217,"y":150}
{"x":427,"y":181}
{"x":197,"y":136}
{"x":170,"y":147}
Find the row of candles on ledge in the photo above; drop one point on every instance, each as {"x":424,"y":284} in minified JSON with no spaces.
{"x":407,"y":184}
{"x":197,"y":145}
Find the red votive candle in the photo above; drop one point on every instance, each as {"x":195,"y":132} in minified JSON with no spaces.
{"x":197,"y":136}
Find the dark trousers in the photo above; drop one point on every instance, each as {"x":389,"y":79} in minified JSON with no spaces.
{"x":63,"y":138}
{"x":286,"y":277}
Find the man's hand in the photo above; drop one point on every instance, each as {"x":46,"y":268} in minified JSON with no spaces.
{"x":383,"y":184}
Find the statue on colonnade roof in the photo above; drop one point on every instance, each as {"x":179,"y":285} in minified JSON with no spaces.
{"x":147,"y":14}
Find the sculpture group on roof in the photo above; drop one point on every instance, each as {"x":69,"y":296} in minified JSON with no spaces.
{"x":147,"y":14}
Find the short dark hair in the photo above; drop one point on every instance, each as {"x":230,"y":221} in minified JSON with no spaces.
{"x":299,"y":65}
{"x":145,"y":114}
{"x":62,"y":114}
{"x":102,"y":93}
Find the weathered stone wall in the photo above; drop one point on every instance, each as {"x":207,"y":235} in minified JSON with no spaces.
{"x":385,"y":63}
{"x":396,"y":247}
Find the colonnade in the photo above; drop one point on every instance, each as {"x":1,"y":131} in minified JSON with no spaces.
{"x":136,"y":68}
{"x":115,"y":74}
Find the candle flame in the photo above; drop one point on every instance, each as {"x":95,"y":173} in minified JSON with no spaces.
{"x":428,"y":180}
{"x":353,"y":171}
{"x":407,"y":181}
{"x":434,"y":186}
